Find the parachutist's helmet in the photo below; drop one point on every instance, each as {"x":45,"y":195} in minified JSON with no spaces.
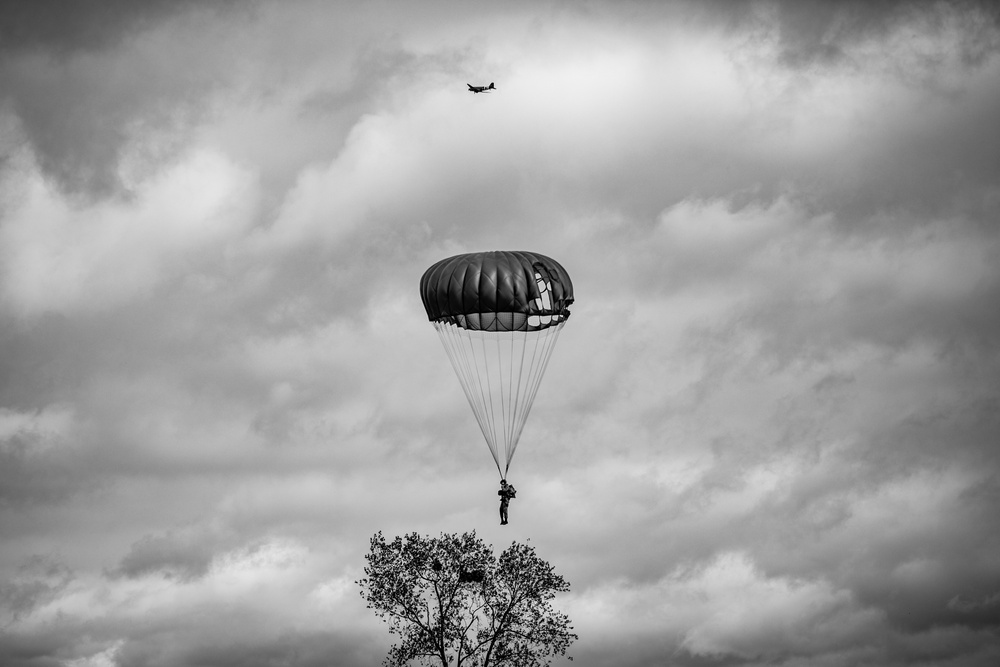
{"x":503,"y":481}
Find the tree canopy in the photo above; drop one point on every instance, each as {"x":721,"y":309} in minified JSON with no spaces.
{"x":452,"y":602}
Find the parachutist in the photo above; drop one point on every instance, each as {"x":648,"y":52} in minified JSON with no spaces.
{"x":506,"y":492}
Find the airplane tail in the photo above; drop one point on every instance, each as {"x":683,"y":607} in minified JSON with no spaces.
{"x":491,"y":87}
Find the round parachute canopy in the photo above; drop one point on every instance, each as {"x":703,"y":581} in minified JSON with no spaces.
{"x":497,"y":291}
{"x":498,"y":315}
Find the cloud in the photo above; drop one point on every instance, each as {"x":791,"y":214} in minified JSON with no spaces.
{"x":87,"y":25}
{"x":62,"y":257}
{"x":135,"y":619}
{"x":184,"y":554}
{"x":783,"y":617}
{"x":38,"y":455}
{"x":38,"y":581}
{"x":767,"y":435}
{"x":724,"y":608}
{"x":76,"y":107}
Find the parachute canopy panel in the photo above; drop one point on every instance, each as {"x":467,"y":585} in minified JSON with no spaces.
{"x":497,"y":291}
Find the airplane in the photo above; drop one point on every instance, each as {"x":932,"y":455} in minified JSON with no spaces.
{"x":481,"y":89}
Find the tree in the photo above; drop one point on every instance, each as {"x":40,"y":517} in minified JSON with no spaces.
{"x":452,"y":602}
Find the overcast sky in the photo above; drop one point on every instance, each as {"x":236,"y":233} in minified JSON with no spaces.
{"x":769,"y":434}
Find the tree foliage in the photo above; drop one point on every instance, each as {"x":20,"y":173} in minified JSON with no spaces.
{"x":452,"y":602}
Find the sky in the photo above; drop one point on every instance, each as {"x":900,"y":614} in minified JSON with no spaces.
{"x":769,"y":433}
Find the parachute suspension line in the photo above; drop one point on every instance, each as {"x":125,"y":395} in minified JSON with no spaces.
{"x":458,"y":362}
{"x":548,"y":341}
{"x":496,"y":426}
{"x":503,"y":385}
{"x":505,"y":406}
{"x":517,"y":395}
{"x":458,"y":354}
{"x":500,"y":377}
{"x":472,"y":369}
{"x":511,"y":397}
{"x":517,"y":389}
{"x":477,"y":371}
{"x":489,"y":388}
{"x":528,"y":378}
{"x":481,"y":369}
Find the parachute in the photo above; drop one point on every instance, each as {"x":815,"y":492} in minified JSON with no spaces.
{"x":499,"y":315}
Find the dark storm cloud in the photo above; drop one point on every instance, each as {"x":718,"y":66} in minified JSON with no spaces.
{"x":152,"y":643}
{"x":38,"y":580}
{"x":27,"y":478}
{"x":814,"y":32}
{"x":306,"y":649}
{"x":61,"y":28}
{"x":39,"y":461}
{"x":78,"y":110}
{"x":186,"y":556}
{"x":57,"y":76}
{"x":817,"y":33}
